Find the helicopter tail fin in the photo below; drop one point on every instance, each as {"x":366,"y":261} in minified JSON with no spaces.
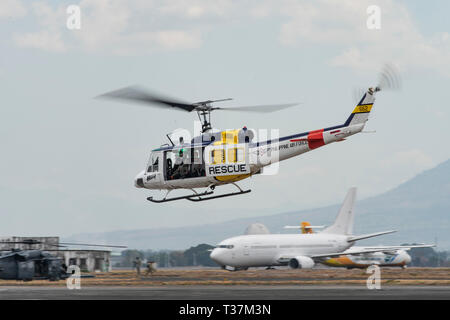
{"x":360,"y":114}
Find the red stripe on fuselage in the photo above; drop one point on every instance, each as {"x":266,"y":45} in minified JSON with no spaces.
{"x":315,"y":139}
{"x":295,"y":140}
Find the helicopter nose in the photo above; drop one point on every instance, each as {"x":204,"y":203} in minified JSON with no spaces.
{"x":139,"y":180}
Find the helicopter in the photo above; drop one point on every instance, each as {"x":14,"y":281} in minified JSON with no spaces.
{"x":33,"y":264}
{"x":225,"y":157}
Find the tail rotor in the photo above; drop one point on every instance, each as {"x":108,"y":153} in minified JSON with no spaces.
{"x":389,"y":78}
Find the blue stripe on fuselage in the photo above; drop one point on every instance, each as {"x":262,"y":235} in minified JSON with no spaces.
{"x":258,"y":144}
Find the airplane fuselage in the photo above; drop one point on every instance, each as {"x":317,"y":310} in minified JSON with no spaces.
{"x":275,"y":249}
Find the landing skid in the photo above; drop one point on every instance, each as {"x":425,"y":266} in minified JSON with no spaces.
{"x":165,"y":199}
{"x":197,"y":197}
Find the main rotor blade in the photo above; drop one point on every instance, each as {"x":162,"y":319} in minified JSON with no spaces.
{"x":31,"y":243}
{"x":261,"y":108}
{"x":61,"y":244}
{"x":136,"y":94}
{"x":92,"y":245}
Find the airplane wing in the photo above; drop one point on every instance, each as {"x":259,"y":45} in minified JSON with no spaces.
{"x":405,"y":247}
{"x":370,"y":235}
{"x":306,"y":227}
{"x":286,"y":258}
{"x":358,"y":252}
{"x":373,"y":250}
{"x":337,"y":254}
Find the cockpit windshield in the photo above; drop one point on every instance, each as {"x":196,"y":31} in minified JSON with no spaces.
{"x":225,"y":246}
{"x":153,"y":162}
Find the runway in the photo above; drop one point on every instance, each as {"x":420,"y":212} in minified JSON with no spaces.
{"x":224,"y":292}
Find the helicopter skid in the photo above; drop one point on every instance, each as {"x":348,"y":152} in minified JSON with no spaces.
{"x":197,"y":198}
{"x":180,"y":198}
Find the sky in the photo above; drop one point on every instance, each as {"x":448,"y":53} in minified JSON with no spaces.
{"x":68,"y":160}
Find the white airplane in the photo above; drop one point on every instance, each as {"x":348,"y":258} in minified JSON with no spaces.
{"x":295,"y":250}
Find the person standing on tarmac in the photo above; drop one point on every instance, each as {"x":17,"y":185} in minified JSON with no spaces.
{"x":137,"y":263}
{"x":150,"y":268}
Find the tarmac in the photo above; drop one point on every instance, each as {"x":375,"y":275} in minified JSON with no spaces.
{"x":226,"y":292}
{"x":253,"y":284}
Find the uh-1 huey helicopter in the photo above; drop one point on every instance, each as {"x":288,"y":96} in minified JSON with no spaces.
{"x":226,"y":157}
{"x":35,"y":264}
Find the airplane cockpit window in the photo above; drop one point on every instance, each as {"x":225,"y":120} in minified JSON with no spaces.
{"x":226,"y":246}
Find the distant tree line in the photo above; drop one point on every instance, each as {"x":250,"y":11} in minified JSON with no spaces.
{"x":429,"y":257}
{"x":194,"y":256}
{"x":199,"y":256}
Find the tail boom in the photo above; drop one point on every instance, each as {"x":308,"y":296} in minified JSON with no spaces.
{"x":294,"y":145}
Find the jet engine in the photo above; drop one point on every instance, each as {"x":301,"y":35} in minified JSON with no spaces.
{"x":301,"y":262}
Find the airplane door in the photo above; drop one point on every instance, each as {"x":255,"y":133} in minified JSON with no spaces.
{"x":246,"y":250}
{"x":25,"y":270}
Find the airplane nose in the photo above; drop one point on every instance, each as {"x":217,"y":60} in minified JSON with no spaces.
{"x":216,"y":256}
{"x":213,"y":255}
{"x":139,"y":180}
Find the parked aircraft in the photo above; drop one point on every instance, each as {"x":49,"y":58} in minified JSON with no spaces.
{"x":295,"y":250}
{"x":387,"y":256}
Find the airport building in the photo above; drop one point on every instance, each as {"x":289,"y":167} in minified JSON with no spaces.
{"x":87,"y":260}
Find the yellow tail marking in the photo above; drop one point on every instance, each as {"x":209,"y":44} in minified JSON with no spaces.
{"x":363,"y":108}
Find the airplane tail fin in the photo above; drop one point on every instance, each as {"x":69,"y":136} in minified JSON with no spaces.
{"x":344,"y":220}
{"x":305,"y":226}
{"x":361,"y":113}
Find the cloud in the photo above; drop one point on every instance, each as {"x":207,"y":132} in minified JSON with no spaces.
{"x":412,"y":158}
{"x":138,"y":27}
{"x":342,"y":24}
{"x":118,"y":27}
{"x":196,"y":8}
{"x":12,"y":9}
{"x":50,"y":37}
{"x":49,"y":41}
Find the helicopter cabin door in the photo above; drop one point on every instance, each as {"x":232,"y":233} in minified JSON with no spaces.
{"x":227,"y":161}
{"x":154,"y":168}
{"x":25,"y":270}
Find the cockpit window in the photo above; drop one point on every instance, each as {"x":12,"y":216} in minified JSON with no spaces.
{"x":225,"y":246}
{"x":153,"y":163}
